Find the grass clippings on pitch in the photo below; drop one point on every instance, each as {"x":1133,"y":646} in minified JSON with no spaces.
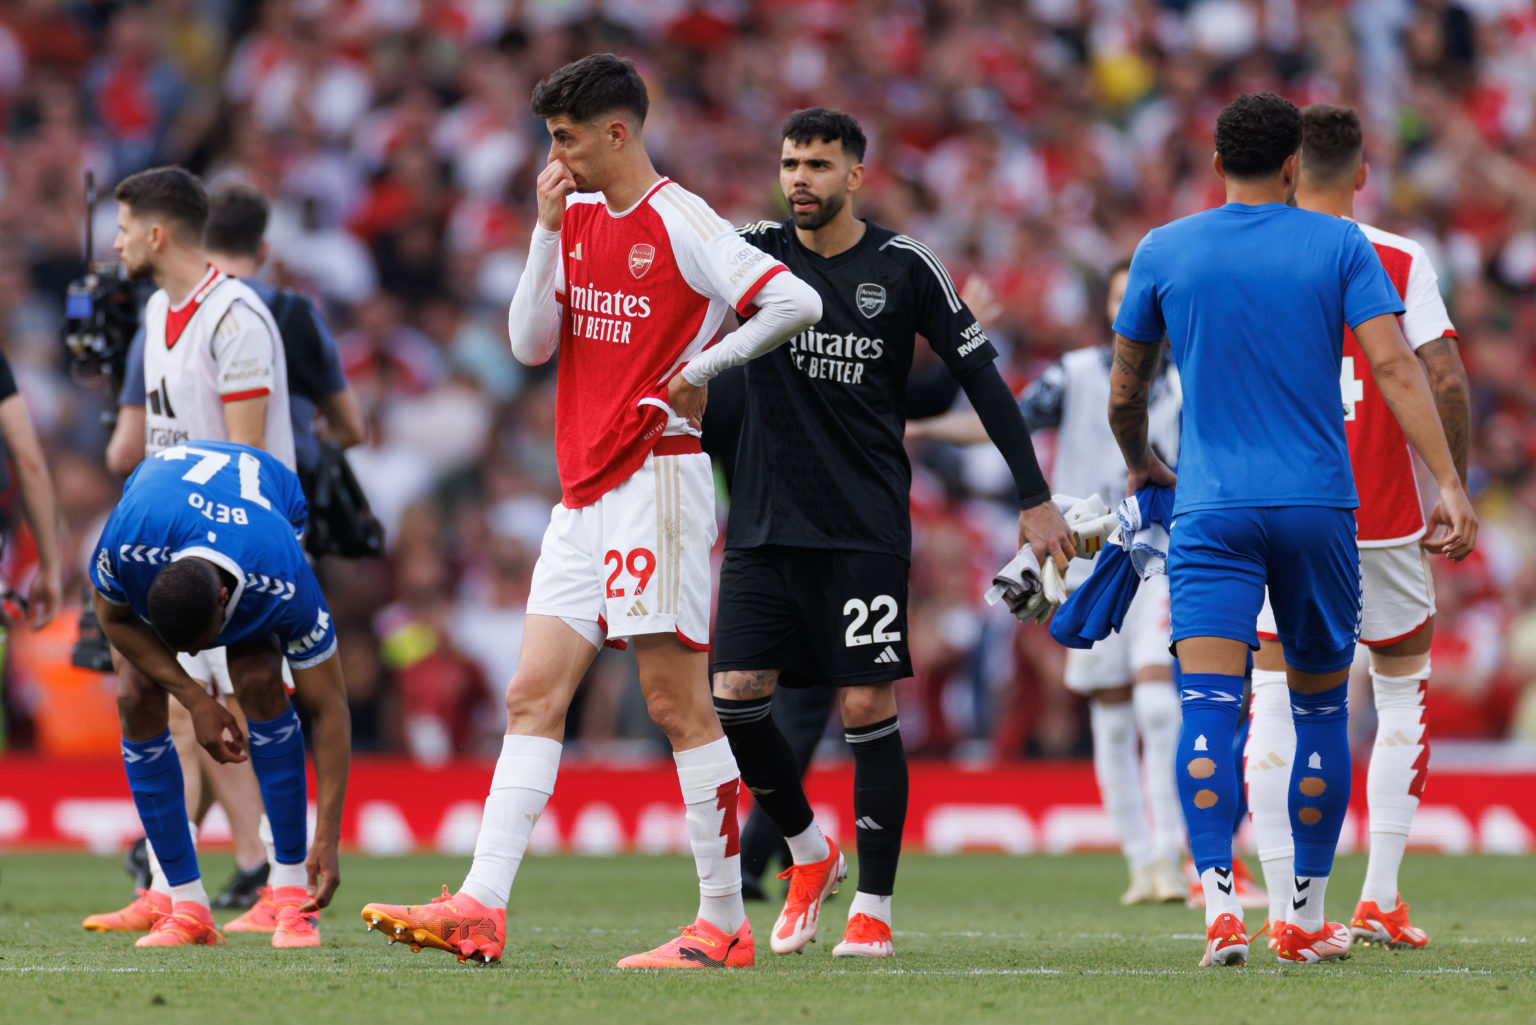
{"x":978,"y":939}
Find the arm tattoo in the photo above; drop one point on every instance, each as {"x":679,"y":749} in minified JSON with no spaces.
{"x":746,"y":685}
{"x":1130,"y":382}
{"x":1448,"y":380}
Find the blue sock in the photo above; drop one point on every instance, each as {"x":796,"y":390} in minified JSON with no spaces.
{"x":1320,"y":777}
{"x":1207,"y":773}
{"x":1239,"y":744}
{"x":154,"y":779}
{"x":277,"y":755}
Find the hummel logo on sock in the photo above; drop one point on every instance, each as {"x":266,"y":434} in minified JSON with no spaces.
{"x":867,"y":823}
{"x":1302,"y":885}
{"x":1224,"y":874}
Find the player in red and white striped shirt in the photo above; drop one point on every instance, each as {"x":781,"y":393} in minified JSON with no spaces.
{"x":629,"y":276}
{"x":1398,"y":608}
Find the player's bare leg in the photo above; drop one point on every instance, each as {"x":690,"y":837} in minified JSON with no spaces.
{"x":674,"y":679}
{"x":471,"y":924}
{"x":744,"y":700}
{"x":1399,"y":765}
{"x":873,"y":733}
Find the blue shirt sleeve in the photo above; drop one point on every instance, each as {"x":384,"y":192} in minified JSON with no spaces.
{"x":1141,"y":313}
{"x":305,"y":629}
{"x":132,"y":393}
{"x":104,"y":569}
{"x":1368,"y":292}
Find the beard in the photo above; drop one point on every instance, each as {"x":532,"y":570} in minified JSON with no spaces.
{"x":819,"y":215}
{"x":138,"y":271}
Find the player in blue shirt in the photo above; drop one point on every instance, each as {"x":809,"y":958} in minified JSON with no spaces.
{"x":203,"y":551}
{"x":1254,"y":296}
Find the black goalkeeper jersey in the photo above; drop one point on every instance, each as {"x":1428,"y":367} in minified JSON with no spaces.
{"x":821,"y":462}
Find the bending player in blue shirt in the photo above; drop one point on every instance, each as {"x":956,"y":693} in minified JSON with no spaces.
{"x":1254,"y":296}
{"x":203,"y":552}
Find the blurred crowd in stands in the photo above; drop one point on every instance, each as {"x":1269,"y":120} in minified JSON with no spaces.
{"x":1031,"y":142}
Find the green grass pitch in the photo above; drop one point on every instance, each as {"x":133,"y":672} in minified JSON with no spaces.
{"x":978,"y":939}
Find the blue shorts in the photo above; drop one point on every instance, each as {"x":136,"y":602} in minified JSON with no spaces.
{"x":1219,"y":561}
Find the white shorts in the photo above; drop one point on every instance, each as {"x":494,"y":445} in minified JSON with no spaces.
{"x":1141,"y":641}
{"x":210,"y":668}
{"x":636,"y":561}
{"x":1397,"y":595}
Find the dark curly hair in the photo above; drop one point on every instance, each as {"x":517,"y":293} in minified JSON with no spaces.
{"x":1332,"y":142}
{"x":590,"y":87}
{"x":821,"y":124}
{"x":183,"y":600}
{"x":1255,"y":133}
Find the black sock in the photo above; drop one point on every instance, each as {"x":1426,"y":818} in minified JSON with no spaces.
{"x":879,"y":802}
{"x":767,"y":762}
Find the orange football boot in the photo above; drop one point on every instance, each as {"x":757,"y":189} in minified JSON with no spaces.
{"x":865,"y":936}
{"x":1389,"y":928}
{"x":454,"y":922}
{"x":262,"y":917}
{"x":1225,"y":943}
{"x":1330,"y":943}
{"x":189,"y":924}
{"x":701,"y":945}
{"x":138,"y":916}
{"x":809,"y":885}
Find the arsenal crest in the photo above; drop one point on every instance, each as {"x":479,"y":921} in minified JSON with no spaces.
{"x":640,"y":257}
{"x":870,"y":297}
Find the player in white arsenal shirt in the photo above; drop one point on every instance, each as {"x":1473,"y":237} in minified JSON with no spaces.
{"x":1398,"y":595}
{"x":629,"y":277}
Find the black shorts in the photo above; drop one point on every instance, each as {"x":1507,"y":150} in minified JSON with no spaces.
{"x":822,"y":616}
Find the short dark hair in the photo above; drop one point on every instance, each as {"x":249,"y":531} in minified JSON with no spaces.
{"x":173,"y":193}
{"x":182,"y":601}
{"x":1255,"y":133}
{"x":592,"y":86}
{"x":821,"y":124}
{"x":1332,"y":141}
{"x":237,"y":220}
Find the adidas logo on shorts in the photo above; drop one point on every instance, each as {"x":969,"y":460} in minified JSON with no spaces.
{"x":637,"y":609}
{"x":888,"y":655}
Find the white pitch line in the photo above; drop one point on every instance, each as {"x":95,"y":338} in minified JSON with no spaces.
{"x":1043,"y":971}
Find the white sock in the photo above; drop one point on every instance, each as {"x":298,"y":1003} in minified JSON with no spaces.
{"x":1158,"y":718}
{"x":872,"y":905}
{"x":192,"y":891}
{"x":1267,"y":759}
{"x":1118,"y":772}
{"x":809,"y":847}
{"x":1219,"y":902}
{"x":711,"y":782}
{"x":1309,"y":893}
{"x":520,"y":788}
{"x":288,"y":875}
{"x":264,"y":831}
{"x":1399,"y":762}
{"x":157,"y":881}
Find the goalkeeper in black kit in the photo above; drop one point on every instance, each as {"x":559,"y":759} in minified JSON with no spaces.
{"x":813,"y":591}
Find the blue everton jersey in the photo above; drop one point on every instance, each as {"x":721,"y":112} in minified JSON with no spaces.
{"x":242,"y":510}
{"x":1254,"y":300}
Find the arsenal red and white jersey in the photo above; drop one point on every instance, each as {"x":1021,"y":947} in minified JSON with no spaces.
{"x":642,"y":293}
{"x":1390,"y":511}
{"x":220,"y":345}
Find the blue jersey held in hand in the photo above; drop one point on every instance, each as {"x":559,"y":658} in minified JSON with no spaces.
{"x":242,"y":510}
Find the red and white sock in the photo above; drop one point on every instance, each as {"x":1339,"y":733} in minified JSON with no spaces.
{"x":711,"y":783}
{"x":1267,"y":758}
{"x":1399,"y":765}
{"x":520,"y":788}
